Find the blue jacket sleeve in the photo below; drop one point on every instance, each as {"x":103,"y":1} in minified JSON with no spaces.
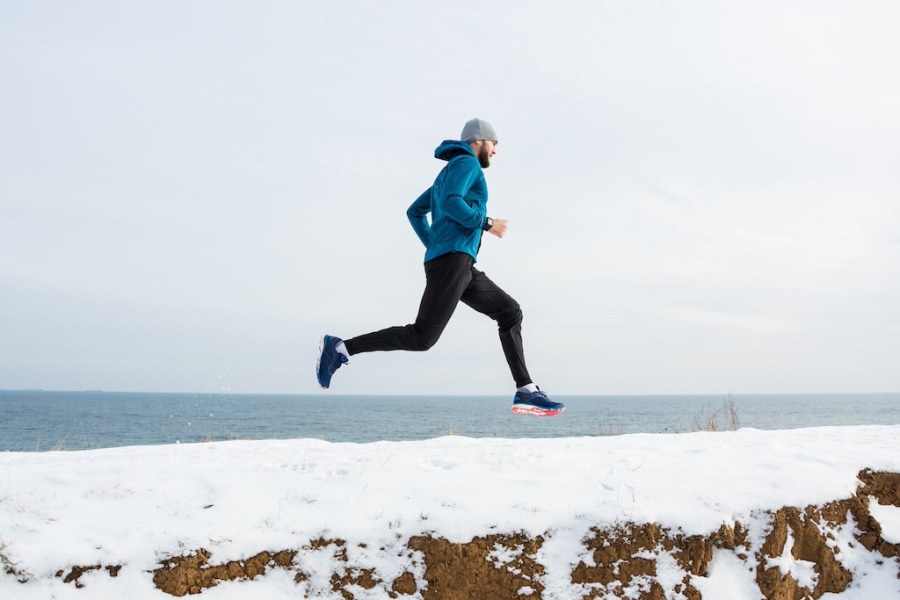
{"x":461,"y":175}
{"x":417,"y":215}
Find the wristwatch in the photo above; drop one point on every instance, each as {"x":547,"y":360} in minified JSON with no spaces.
{"x":488,"y":223}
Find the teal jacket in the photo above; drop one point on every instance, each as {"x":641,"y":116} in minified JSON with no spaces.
{"x":457,"y":202}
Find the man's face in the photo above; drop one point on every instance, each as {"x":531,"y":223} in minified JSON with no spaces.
{"x":485,"y":150}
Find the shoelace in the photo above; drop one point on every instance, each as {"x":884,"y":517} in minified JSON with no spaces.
{"x":540,"y":394}
{"x":336,"y":364}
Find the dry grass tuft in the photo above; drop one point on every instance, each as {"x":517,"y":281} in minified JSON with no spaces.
{"x":725,"y":418}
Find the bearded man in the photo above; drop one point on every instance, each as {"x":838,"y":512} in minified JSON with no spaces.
{"x":457,"y":203}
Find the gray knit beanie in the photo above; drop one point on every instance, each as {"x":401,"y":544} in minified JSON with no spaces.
{"x":478,"y":129}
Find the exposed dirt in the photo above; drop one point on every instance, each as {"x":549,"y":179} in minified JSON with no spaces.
{"x":11,"y":568}
{"x":495,"y":566}
{"x":625,"y":559}
{"x":622,"y":561}
{"x":884,"y":487}
{"x":192,"y":574}
{"x":74,"y":575}
{"x":811,"y":535}
{"x":808,"y":545}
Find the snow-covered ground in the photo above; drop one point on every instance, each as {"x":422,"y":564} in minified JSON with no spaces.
{"x":360,"y":520}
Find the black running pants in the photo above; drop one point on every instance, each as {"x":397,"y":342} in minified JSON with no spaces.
{"x":449,"y":279}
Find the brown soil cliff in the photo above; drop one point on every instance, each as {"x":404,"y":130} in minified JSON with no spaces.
{"x":619,"y":561}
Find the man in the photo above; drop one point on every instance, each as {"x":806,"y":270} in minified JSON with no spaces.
{"x":458,"y":205}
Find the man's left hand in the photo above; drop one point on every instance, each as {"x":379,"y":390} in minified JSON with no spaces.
{"x":499,"y":227}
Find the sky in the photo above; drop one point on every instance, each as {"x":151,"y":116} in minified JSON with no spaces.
{"x":703,"y":197}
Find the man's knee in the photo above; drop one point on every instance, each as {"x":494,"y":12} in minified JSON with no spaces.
{"x":511,"y":317}
{"x":425,"y":339}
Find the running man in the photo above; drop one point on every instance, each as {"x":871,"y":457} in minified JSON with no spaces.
{"x":457,"y":203}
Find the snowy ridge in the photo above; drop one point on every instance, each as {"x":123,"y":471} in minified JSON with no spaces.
{"x":686,"y":516}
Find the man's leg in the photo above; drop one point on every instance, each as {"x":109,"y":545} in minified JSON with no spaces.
{"x":446,"y":278}
{"x":487,"y":298}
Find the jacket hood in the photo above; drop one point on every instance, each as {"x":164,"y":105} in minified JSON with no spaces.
{"x":450,"y":149}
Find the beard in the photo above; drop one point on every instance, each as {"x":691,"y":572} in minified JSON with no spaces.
{"x":484,"y":158}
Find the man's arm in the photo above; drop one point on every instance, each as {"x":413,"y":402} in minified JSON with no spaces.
{"x":461,"y":175}
{"x":417,"y":215}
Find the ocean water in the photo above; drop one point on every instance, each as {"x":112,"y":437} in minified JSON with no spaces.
{"x":41,"y":421}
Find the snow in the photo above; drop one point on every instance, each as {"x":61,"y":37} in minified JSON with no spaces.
{"x":136,"y":506}
{"x":729,"y":577}
{"x":802,"y":571}
{"x":889,"y":519}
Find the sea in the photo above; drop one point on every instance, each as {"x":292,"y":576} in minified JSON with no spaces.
{"x":36,"y":420}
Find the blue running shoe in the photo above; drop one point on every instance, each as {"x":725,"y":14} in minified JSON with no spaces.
{"x":330,"y":360}
{"x":537,"y":404}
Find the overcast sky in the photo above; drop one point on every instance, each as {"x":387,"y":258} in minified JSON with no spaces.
{"x":704,"y":197}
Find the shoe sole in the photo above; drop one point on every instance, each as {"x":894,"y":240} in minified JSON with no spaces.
{"x":319,"y":362}
{"x":534,"y":411}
